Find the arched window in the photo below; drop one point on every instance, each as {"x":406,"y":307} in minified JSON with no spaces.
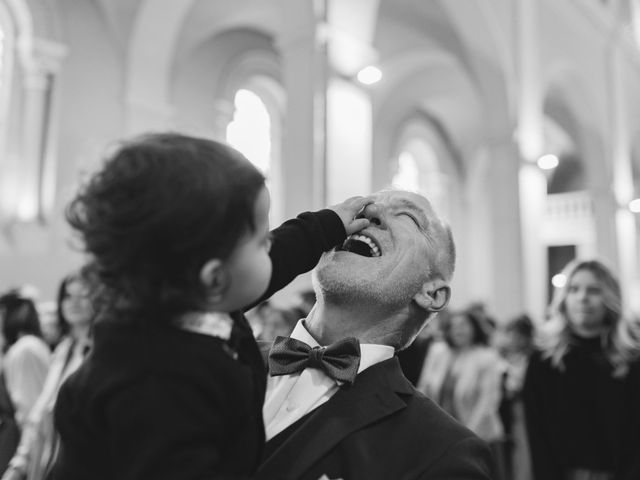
{"x":250,"y":105}
{"x":424,"y":163}
{"x":255,"y":131}
{"x":250,"y":130}
{"x":407,"y":175}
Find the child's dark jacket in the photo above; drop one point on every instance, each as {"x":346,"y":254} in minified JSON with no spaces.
{"x":154,"y":402}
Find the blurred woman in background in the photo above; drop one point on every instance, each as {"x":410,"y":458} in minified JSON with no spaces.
{"x":24,"y":367}
{"x":26,"y":358}
{"x":582,"y":387}
{"x":463,"y":375}
{"x":36,"y":451}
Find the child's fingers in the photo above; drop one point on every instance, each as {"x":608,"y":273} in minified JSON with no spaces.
{"x":357,"y":203}
{"x":349,"y":210}
{"x":356,"y":225}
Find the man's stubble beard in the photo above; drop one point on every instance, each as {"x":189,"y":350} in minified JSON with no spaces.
{"x":338,"y":285}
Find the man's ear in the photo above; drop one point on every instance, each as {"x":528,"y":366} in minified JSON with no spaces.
{"x":215,"y":279}
{"x":433,"y":297}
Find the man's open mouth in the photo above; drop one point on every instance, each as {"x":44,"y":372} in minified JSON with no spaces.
{"x":360,"y":245}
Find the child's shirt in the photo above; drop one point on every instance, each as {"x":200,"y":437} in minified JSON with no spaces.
{"x":159,"y":402}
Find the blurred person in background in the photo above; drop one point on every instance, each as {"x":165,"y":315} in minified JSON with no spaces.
{"x":480,"y":311}
{"x":413,"y":357}
{"x":278,"y":322}
{"x":582,"y":387}
{"x":306,"y":301}
{"x":463,"y":374}
{"x":516,"y":345}
{"x":38,"y":443}
{"x":24,"y":367}
{"x":256,"y":315}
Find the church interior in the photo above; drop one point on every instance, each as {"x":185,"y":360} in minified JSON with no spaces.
{"x":518,"y":119}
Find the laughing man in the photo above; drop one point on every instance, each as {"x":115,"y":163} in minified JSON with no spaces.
{"x":337,"y":403}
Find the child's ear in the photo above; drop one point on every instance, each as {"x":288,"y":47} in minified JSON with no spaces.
{"x":215,"y":279}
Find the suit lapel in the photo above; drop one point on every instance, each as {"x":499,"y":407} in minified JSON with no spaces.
{"x":373,"y":396}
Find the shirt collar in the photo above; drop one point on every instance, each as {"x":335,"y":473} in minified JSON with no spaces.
{"x":370,"y":353}
{"x":214,"y":324}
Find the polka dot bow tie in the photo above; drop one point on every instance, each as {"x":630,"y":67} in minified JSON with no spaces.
{"x":340,"y":360}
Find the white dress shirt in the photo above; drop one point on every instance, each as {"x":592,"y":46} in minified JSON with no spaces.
{"x":291,"y":397}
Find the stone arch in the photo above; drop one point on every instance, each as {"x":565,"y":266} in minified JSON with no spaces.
{"x":442,"y":177}
{"x":165,"y":30}
{"x":567,"y":99}
{"x":437,"y":90}
{"x":488,"y":59}
{"x":257,"y":68}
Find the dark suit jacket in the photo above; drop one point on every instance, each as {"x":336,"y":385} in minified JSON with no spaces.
{"x":379,"y":428}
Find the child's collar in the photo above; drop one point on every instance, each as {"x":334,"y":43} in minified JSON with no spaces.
{"x":214,"y":324}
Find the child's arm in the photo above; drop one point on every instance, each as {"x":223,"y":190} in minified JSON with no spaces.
{"x":299,"y":243}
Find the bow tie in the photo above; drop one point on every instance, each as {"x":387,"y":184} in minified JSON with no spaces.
{"x":340,"y":360}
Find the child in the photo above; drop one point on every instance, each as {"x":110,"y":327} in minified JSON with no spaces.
{"x":177,"y":228}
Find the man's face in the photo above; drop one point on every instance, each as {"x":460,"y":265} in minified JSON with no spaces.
{"x":387,"y":263}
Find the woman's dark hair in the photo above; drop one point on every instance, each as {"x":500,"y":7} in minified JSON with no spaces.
{"x":161,"y":206}
{"x":480,"y":329}
{"x":19,"y":316}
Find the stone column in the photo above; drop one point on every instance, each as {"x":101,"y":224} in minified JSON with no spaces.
{"x":304,"y":65}
{"x":37,"y":164}
{"x":532,"y":183}
{"x":623,"y":188}
{"x":492,"y":249}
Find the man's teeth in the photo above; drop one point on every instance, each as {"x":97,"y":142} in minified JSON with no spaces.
{"x":375,"y":251}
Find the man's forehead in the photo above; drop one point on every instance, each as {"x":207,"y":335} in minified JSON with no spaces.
{"x":403,"y":198}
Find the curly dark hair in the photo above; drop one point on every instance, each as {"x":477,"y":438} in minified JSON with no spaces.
{"x":161,"y":206}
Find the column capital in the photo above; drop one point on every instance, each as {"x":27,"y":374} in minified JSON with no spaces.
{"x":44,"y":59}
{"x":49,"y":54}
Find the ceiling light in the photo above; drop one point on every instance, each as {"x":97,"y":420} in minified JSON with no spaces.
{"x":548,"y":162}
{"x":369,"y":75}
{"x":559,"y":280}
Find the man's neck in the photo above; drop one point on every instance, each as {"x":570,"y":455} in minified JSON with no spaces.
{"x":330,"y":323}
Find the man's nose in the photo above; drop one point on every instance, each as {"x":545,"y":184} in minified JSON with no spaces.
{"x":373,"y":213}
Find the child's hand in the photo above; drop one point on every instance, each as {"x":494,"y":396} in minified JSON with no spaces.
{"x":348,"y":210}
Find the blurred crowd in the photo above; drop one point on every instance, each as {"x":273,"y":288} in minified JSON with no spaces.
{"x":539,"y":391}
